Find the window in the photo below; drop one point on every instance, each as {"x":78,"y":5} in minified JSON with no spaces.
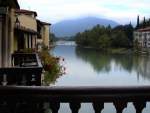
{"x":140,"y":38}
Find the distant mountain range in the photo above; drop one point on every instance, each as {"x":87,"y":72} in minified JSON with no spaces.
{"x":69,"y":28}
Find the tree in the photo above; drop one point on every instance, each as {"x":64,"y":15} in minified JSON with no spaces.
{"x":144,"y":23}
{"x":119,"y":39}
{"x":128,"y":29}
{"x":104,"y":37}
{"x":52,"y":37}
{"x":104,"y":41}
{"x":138,"y":22}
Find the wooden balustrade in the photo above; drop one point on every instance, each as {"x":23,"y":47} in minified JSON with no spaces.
{"x":26,"y":70}
{"x":25,"y":60}
{"x":32,"y":99}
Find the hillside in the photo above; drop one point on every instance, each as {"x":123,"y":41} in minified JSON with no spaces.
{"x":71,"y":27}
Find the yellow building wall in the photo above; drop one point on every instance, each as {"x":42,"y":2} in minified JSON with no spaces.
{"x":13,"y":18}
{"x":46,"y":35}
{"x":1,"y":23}
{"x":7,"y":38}
{"x":28,"y":22}
{"x":15,"y":43}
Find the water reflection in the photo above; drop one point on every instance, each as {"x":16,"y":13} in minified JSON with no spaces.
{"x":100,"y":62}
{"x":92,"y":68}
{"x":143,"y":66}
{"x":104,"y":62}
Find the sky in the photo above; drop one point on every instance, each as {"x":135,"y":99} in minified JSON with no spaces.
{"x":121,"y":11}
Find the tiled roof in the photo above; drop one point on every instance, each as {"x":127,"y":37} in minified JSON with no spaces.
{"x":143,"y":29}
{"x":10,"y":3}
{"x":26,"y":12}
{"x":43,"y":23}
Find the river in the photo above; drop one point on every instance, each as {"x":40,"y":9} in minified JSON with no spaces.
{"x":86,"y":67}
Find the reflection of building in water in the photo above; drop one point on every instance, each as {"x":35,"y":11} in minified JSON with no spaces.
{"x":143,"y":67}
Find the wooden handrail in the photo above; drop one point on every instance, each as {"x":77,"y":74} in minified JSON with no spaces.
{"x":26,"y":70}
{"x":119,"y":96}
{"x":94,"y":91}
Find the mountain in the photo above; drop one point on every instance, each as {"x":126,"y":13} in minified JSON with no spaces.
{"x":69,"y":28}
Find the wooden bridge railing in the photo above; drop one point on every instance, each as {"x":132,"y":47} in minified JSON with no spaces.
{"x":31,"y":99}
{"x":26,"y":70}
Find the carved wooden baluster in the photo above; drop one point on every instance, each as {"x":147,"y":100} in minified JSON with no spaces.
{"x":55,"y":106}
{"x":23,"y":81}
{"x":4,"y":82}
{"x":12,"y":106}
{"x":120,"y":105}
{"x":40,"y":107}
{"x":98,"y":107}
{"x":139,"y":106}
{"x":38,"y":79}
{"x":75,"y":106}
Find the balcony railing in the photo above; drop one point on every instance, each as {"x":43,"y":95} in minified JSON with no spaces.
{"x":26,"y":70}
{"x":31,"y":99}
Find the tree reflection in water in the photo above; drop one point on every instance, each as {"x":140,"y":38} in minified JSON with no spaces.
{"x":103,"y":61}
{"x":100,"y":62}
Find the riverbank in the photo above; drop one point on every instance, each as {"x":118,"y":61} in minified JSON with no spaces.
{"x":120,"y":50}
{"x":111,"y":50}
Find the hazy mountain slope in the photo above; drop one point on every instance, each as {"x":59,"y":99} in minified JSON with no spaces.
{"x":71,"y":27}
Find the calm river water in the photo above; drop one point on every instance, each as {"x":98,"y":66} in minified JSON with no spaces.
{"x":85,"y":67}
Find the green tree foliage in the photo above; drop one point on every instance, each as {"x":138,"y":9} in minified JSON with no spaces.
{"x":101,"y":37}
{"x":119,"y":39}
{"x":144,"y":23}
{"x":104,"y":41}
{"x":52,"y":37}
{"x":138,"y":22}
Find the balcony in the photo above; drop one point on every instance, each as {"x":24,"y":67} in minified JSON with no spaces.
{"x":26,"y":70}
{"x":31,"y":99}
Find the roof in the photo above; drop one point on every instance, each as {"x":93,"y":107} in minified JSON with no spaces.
{"x":43,"y":23}
{"x":143,"y":29}
{"x":10,"y":3}
{"x":23,"y":11}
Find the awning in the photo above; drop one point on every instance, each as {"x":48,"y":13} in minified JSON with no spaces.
{"x":26,"y":30}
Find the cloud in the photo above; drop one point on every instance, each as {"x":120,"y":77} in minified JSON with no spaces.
{"x":56,"y":10}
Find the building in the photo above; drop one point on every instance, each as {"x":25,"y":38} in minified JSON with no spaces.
{"x":142,"y":37}
{"x":44,"y":34}
{"x":19,"y":30}
{"x":7,"y":23}
{"x":25,"y":36}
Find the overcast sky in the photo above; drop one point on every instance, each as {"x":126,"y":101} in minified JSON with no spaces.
{"x":121,"y":11}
